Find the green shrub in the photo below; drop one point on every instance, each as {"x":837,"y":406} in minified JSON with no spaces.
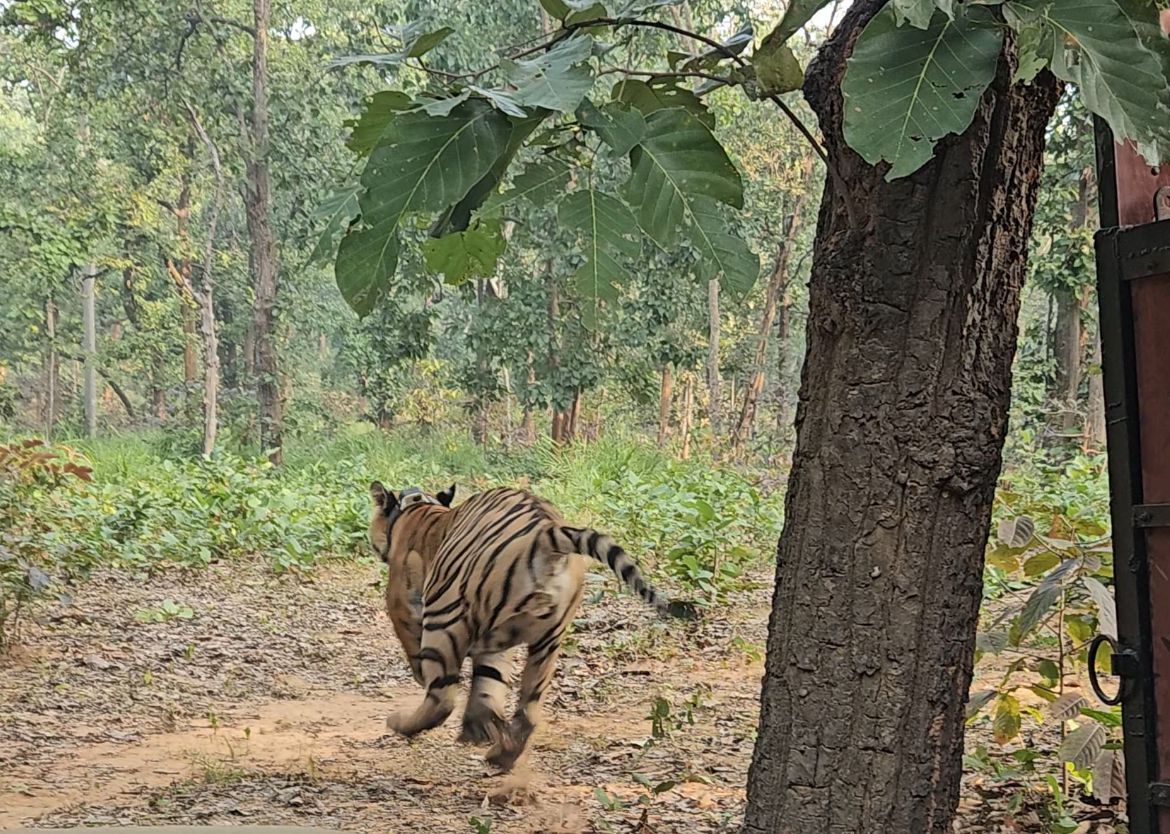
{"x":40,"y":491}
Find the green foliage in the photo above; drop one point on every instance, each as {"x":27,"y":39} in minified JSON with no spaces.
{"x":39,"y":487}
{"x":446,"y":154}
{"x":1048,"y":571}
{"x":168,"y":610}
{"x":906,"y":88}
{"x":920,"y":67}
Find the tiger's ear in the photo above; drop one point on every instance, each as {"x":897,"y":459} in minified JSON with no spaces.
{"x":445,"y":498}
{"x":382,"y":498}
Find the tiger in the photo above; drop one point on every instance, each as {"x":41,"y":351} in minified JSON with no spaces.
{"x":477,"y":580}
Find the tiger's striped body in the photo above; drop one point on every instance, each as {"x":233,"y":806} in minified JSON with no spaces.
{"x":494,"y":573}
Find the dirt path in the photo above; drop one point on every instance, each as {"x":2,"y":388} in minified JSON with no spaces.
{"x":266,"y":705}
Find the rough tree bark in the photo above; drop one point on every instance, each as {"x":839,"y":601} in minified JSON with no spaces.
{"x":528,"y":425}
{"x":205,"y":295}
{"x":687,"y":415}
{"x":900,"y":427}
{"x":52,"y":369}
{"x":1094,"y":435}
{"x":665,"y":395}
{"x":714,"y":383}
{"x":773,"y":298}
{"x":89,"y":346}
{"x":263,"y":257}
{"x":1068,"y":333}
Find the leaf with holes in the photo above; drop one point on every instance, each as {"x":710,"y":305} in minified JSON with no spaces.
{"x":463,"y":255}
{"x":907,"y":88}
{"x":1082,"y":746}
{"x":1109,"y":776}
{"x":425,"y":162}
{"x":556,"y":80}
{"x":618,"y":124}
{"x":917,"y":13}
{"x":677,"y":162}
{"x":1005,"y":721}
{"x":540,"y":183}
{"x":661,"y":94}
{"x":723,"y":257}
{"x":1067,"y":706}
{"x":1097,"y":47}
{"x":366,"y":261}
{"x":367,"y":129}
{"x":338,"y":212}
{"x":1106,"y":607}
{"x":1016,"y":532}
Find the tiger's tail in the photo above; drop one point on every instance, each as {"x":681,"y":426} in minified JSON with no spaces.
{"x":599,"y":546}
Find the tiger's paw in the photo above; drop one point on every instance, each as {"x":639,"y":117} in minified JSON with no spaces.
{"x":399,"y":722}
{"x":481,"y":728}
{"x":504,"y":753}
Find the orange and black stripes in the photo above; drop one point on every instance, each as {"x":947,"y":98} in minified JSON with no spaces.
{"x":492,"y":574}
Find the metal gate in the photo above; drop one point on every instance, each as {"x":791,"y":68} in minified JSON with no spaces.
{"x":1133,"y":283}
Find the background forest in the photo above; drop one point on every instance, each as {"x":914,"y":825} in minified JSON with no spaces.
{"x":168,"y":216}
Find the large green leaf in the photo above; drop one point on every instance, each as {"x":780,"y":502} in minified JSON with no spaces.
{"x":605,"y":226}
{"x":463,"y":255}
{"x":661,"y":94}
{"x":556,"y":80}
{"x":458,"y":217}
{"x":677,"y":162}
{"x":338,"y":212}
{"x":369,"y":126}
{"x":425,"y":162}
{"x":906,"y":88}
{"x":542,"y":182}
{"x":1097,"y":47}
{"x":618,"y":124}
{"x":722,"y":255}
{"x":366,"y":261}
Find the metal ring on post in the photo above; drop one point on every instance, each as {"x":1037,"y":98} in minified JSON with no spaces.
{"x":1092,"y":664}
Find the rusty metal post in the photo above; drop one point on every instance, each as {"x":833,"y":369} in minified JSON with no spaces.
{"x":1133,"y":278}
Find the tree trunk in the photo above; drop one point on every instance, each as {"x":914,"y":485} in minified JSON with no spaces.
{"x":1066,"y":344}
{"x":52,"y":369}
{"x":900,"y":428}
{"x":714,"y":383}
{"x":559,"y":418}
{"x":89,"y":346}
{"x":688,"y":410}
{"x":265,"y":269}
{"x":574,"y":416}
{"x":664,"y":398}
{"x":783,"y":386}
{"x":777,"y":287}
{"x":1094,"y":436}
{"x":188,"y":309}
{"x":206,"y":296}
{"x":528,"y":427}
{"x":1068,"y":338}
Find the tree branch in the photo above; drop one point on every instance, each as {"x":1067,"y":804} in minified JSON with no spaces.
{"x":104,"y":374}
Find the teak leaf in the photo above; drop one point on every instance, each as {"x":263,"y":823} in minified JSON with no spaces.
{"x":906,"y":88}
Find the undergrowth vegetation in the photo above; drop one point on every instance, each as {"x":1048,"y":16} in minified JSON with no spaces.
{"x":123,"y":502}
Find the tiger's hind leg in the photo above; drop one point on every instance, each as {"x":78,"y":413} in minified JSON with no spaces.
{"x":483,"y":718}
{"x":441,"y":659}
{"x":538,"y":672}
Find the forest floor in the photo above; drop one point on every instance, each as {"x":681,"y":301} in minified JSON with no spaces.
{"x":262,"y":699}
